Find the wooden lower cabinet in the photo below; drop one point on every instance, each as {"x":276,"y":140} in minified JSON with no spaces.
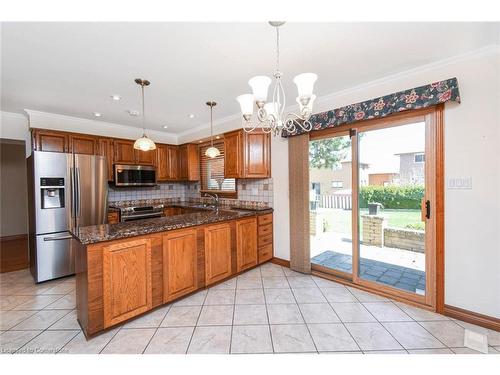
{"x":126,"y":280}
{"x":246,"y":243}
{"x":180,"y":263}
{"x":121,"y":279}
{"x":217,"y":252}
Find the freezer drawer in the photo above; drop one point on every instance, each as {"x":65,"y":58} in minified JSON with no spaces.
{"x":55,"y":257}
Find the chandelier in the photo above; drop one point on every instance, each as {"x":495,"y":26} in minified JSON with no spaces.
{"x":143,"y":143}
{"x":271,"y":116}
{"x":212,"y":151}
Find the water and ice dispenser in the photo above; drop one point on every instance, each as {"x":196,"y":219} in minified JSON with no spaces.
{"x":52,"y":191}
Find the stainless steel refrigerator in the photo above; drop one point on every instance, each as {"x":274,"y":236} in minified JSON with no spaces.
{"x":66,"y":191}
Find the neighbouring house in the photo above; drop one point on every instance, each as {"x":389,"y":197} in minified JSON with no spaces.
{"x":411,"y":168}
{"x":329,"y":181}
{"x":383,"y":179}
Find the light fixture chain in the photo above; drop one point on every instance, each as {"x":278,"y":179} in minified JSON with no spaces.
{"x":143,"y":112}
{"x":278,"y":49}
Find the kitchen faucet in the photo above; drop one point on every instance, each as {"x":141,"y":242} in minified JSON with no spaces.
{"x":215,"y":198}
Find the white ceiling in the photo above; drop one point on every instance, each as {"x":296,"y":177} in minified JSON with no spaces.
{"x":73,"y":68}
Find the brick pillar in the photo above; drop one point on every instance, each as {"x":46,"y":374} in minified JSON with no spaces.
{"x":373,"y":230}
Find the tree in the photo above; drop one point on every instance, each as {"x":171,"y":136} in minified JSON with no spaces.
{"x":327,"y":153}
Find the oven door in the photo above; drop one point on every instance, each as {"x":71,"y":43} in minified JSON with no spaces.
{"x":135,"y":175}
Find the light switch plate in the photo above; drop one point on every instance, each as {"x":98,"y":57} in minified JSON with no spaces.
{"x":460,"y":183}
{"x":476,"y":341}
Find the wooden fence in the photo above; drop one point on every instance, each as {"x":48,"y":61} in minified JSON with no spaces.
{"x":342,"y":201}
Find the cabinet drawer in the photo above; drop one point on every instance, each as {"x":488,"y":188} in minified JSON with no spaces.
{"x":264,"y":230}
{"x":265,"y":240}
{"x":265,"y":219}
{"x":265,"y":253}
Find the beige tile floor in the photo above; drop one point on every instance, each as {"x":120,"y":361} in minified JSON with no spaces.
{"x":269,"y":309}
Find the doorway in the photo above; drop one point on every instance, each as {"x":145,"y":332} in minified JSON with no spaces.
{"x":373,"y":223}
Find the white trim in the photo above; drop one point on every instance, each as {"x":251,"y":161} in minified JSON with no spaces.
{"x":46,"y":120}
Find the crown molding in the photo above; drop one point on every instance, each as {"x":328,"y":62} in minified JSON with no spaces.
{"x":108,"y":128}
{"x":15,"y":115}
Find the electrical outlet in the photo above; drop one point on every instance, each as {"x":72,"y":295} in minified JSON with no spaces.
{"x":460,"y":183}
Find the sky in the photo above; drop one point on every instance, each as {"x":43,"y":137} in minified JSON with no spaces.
{"x":377,"y":147}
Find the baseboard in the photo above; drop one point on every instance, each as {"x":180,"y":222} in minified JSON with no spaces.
{"x":472,"y":317}
{"x":14,"y":253}
{"x":281,"y":262}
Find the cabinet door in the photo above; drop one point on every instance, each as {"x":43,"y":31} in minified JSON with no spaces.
{"x":173,"y":162}
{"x":183,"y":162}
{"x":162,"y":163}
{"x":126,"y":280}
{"x":246,"y":243}
{"x":124,"y":151}
{"x":193,"y":163}
{"x":180,"y":267}
{"x":106,"y":149}
{"x":257,"y":158}
{"x":145,"y":157}
{"x":46,"y":140}
{"x":232,"y":155}
{"x":83,"y":144}
{"x":217,"y":253}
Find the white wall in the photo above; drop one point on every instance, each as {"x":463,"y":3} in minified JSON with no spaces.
{"x":472,"y":139}
{"x":15,"y":126}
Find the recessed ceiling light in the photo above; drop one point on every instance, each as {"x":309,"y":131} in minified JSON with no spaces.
{"x":191,"y":115}
{"x":218,"y":137}
{"x":97,"y":114}
{"x":116,"y":97}
{"x":199,"y":141}
{"x":165,"y":126}
{"x":133,"y":112}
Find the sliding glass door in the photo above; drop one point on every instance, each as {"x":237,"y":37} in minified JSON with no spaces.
{"x":330,"y":200}
{"x":371,"y":189}
{"x":391,"y":191}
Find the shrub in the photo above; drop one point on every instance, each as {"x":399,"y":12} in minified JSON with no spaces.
{"x":392,"y":197}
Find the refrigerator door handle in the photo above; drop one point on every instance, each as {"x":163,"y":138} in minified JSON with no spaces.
{"x":78,"y":191}
{"x":72,"y":189}
{"x":57,"y":238}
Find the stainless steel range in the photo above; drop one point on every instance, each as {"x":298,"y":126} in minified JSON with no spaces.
{"x":137,"y":212}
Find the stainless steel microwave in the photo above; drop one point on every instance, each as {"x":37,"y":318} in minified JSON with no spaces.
{"x":134,"y":175}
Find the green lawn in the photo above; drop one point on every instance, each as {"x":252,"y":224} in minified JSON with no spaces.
{"x":340,"y":220}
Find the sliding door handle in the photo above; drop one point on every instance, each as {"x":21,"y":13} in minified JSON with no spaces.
{"x":427,"y":209}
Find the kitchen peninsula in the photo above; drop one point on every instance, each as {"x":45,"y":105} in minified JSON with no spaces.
{"x":126,"y":269}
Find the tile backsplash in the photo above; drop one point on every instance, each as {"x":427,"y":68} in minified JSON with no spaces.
{"x":161,"y":191}
{"x":248,"y":190}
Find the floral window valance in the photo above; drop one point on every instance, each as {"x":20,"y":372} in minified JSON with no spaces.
{"x":419,"y":97}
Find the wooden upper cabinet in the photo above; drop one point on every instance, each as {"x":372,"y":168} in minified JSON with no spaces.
{"x":246,"y":243}
{"x":161,"y":163}
{"x":247,"y":155}
{"x":189,"y":162}
{"x":145,"y":157}
{"x":167,"y":163}
{"x":256,"y":152}
{"x":106,"y":149}
{"x":48,"y":140}
{"x":183,"y":163}
{"x":180,"y":263}
{"x":124,"y":152}
{"x":233,"y":152}
{"x":217,"y":252}
{"x":127,"y":289}
{"x":83,"y":144}
{"x":172,"y":162}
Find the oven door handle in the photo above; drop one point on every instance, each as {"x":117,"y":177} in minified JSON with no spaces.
{"x":142,"y":216}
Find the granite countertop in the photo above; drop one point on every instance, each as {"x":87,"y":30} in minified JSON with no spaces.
{"x":108,"y":232}
{"x":185,"y":204}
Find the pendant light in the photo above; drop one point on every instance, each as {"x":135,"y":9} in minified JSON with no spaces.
{"x":143,"y":143}
{"x":212,"y":151}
